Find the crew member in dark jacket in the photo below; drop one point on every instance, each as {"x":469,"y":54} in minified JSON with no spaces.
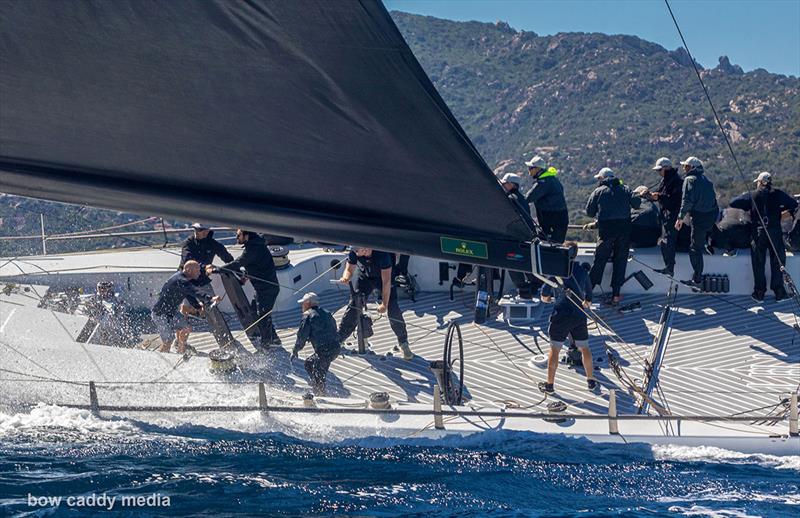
{"x":318,"y":327}
{"x":259,"y":267}
{"x":374,"y":272}
{"x":202,"y":247}
{"x":547,"y":195}
{"x":645,"y":221}
{"x":770,"y":203}
{"x":611,"y":205}
{"x":169,"y":315}
{"x":527,"y":285}
{"x":568,"y":319}
{"x":699,"y":200}
{"x":668,"y":197}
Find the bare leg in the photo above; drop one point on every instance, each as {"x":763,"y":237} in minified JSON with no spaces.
{"x":182,"y":335}
{"x":586,"y":353}
{"x":552,"y":361}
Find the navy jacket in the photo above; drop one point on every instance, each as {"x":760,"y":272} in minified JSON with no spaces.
{"x":770,"y":202}
{"x":318,"y":327}
{"x":547,"y":193}
{"x":698,"y":194}
{"x":177,"y":288}
{"x":669,"y":194}
{"x":579,"y":284}
{"x":371,"y":266}
{"x":203,"y":251}
{"x":256,"y":259}
{"x":612,"y":201}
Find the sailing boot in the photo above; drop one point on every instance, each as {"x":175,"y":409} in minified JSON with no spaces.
{"x":407,"y":354}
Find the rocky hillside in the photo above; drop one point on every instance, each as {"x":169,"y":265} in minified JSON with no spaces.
{"x":582,"y":100}
{"x":590,"y":100}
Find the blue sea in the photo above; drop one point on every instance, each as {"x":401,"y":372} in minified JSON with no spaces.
{"x":64,"y":462}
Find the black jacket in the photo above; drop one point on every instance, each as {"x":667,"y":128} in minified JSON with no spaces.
{"x":256,"y":259}
{"x":318,"y":327}
{"x":669,"y":194}
{"x":177,"y":288}
{"x":770,"y":202}
{"x":203,"y":251}
{"x":612,"y":201}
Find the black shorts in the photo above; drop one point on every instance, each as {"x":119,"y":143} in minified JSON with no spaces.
{"x":563,"y":325}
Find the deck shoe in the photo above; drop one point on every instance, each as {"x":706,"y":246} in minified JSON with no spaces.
{"x":407,"y":354}
{"x":666,"y":271}
{"x":758,"y":296}
{"x":547,"y":388}
{"x":592,"y":384}
{"x":780,"y":296}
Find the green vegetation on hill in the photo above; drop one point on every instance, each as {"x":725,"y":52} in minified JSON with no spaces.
{"x":585,"y":101}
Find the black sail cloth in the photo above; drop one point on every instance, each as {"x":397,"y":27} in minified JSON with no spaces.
{"x":307,"y":118}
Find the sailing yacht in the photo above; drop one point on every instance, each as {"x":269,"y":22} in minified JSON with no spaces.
{"x":313,"y":119}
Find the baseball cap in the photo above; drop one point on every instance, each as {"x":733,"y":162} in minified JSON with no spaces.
{"x":199,"y":226}
{"x":511,"y":178}
{"x":309,"y":297}
{"x":662,"y":163}
{"x":536,"y":161}
{"x":692,"y":161}
{"x":604,"y":174}
{"x":763,"y":177}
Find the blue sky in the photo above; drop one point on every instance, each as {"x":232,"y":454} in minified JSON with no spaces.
{"x":752,"y":33}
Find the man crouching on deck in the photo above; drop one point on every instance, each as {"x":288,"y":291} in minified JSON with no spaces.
{"x":319,"y":327}
{"x":568,"y":318}
{"x":169,"y":314}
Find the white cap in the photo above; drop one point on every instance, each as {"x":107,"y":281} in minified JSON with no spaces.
{"x":604,"y":174}
{"x":639,"y":191}
{"x":511,"y":178}
{"x":662,"y":162}
{"x":199,"y":226}
{"x":692,"y":161}
{"x":763,"y":177}
{"x":309,"y":297}
{"x":537,"y":161}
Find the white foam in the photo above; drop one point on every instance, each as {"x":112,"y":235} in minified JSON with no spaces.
{"x":49,"y":416}
{"x":720,"y":455}
{"x":699,"y":510}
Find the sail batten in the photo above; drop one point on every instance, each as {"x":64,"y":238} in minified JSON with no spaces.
{"x":310,"y":116}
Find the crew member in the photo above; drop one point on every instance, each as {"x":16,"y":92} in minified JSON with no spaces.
{"x":771,"y":204}
{"x":611,"y":204}
{"x":527,"y":285}
{"x":169,"y":314}
{"x":568,"y":319}
{"x":319,"y":327}
{"x":202,"y":247}
{"x":374,"y":272}
{"x":112,"y":316}
{"x":547,"y":195}
{"x":645,"y":226}
{"x":668,"y":197}
{"x":256,"y":259}
{"x":699,"y":200}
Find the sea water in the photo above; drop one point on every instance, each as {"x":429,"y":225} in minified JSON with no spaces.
{"x":57,"y":461}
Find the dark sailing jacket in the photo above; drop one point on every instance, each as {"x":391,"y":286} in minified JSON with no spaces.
{"x":203,"y":251}
{"x":256,"y":259}
{"x":318,"y":327}
{"x":698,"y":194}
{"x":770,"y":202}
{"x":177,"y":288}
{"x":547,"y":193}
{"x":579,"y":284}
{"x":612,"y":201}
{"x":669,"y":194}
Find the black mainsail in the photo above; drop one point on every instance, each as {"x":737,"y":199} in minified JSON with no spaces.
{"x":308,"y":118}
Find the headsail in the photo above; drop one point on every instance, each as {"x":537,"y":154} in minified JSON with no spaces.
{"x":308,"y":118}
